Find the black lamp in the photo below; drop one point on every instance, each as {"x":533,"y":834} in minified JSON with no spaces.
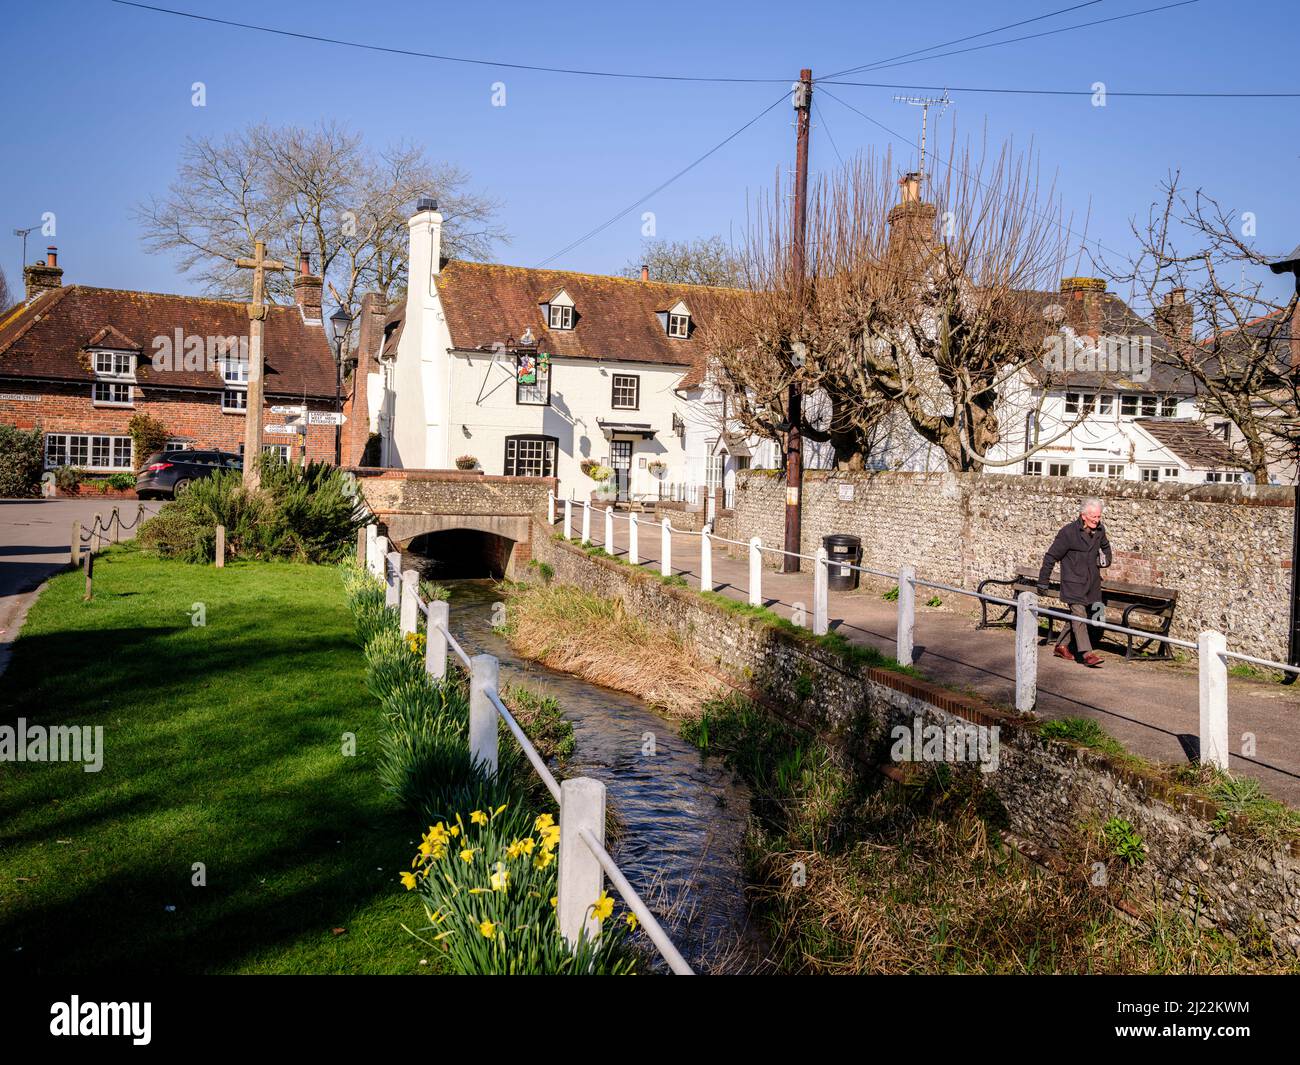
{"x":340,"y":322}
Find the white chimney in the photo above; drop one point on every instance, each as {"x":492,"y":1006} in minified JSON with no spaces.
{"x":426,"y":245}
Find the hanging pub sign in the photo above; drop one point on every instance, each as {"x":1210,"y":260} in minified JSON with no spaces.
{"x":544,"y":362}
{"x":527,"y":370}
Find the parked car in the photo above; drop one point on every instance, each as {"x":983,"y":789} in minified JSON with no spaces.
{"x":166,"y":474}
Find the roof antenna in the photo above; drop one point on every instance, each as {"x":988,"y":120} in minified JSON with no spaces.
{"x":925,"y":103}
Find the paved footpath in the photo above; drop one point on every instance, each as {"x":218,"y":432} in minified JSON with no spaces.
{"x":35,"y":544}
{"x":1151,"y":707}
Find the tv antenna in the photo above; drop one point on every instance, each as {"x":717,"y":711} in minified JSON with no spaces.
{"x":925,"y":103}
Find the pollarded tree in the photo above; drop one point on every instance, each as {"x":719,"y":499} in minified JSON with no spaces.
{"x":906,"y":310}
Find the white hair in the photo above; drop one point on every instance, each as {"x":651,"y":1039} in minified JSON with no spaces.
{"x":1091,"y":503}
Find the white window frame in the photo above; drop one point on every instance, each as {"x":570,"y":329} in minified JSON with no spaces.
{"x":114,"y":373}
{"x":1106,"y":404}
{"x":82,"y":453}
{"x":234,"y":371}
{"x":560,"y":316}
{"x":679,"y":326}
{"x":1033,"y":468}
{"x":1053,"y":467}
{"x":1110,"y":470}
{"x":111,"y":386}
{"x":234,"y":408}
{"x":1149,"y":474}
{"x":1171,"y":473}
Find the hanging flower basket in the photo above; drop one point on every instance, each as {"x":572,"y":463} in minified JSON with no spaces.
{"x":467,"y":462}
{"x":657,"y":467}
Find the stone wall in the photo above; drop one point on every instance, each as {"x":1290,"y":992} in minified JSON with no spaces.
{"x":1226,"y":549}
{"x":391,"y":491}
{"x":1052,"y":791}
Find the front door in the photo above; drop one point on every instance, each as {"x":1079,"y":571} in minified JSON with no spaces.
{"x":620,"y":461}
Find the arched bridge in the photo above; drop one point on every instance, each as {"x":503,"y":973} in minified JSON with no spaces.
{"x":465,"y":524}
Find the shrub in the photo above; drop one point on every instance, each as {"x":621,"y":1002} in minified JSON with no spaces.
{"x":186,"y":528}
{"x":22,"y":460}
{"x":314,"y":515}
{"x":148,"y":435}
{"x":67,"y":478}
{"x":121,"y":481}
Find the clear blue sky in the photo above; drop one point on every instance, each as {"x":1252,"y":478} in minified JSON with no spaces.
{"x":98,"y":105}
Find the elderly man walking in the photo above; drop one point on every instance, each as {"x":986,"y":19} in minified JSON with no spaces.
{"x":1083,"y":551}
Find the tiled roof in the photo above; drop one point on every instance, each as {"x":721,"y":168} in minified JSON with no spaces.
{"x":616,"y":318}
{"x":1190,"y":440}
{"x":48,"y":337}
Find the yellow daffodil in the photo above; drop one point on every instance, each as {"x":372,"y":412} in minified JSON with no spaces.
{"x":487,"y":929}
{"x":543,"y":859}
{"x":544,"y":821}
{"x":602,"y":907}
{"x":630,"y":918}
{"x":478,"y":817}
{"x":409,"y":880}
{"x":527,"y":844}
{"x":514,"y":850}
{"x":500,"y":808}
{"x":455,"y":831}
{"x":500,"y":880}
{"x":555,"y":900}
{"x":467,"y":855}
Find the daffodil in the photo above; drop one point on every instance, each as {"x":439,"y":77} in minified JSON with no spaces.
{"x":409,"y":880}
{"x":630,"y":918}
{"x":514,"y":850}
{"x":487,"y":929}
{"x":500,"y":808}
{"x":543,"y":822}
{"x":500,"y":880}
{"x":527,"y":844}
{"x":478,"y":817}
{"x":455,"y":831}
{"x":467,"y":855}
{"x":602,"y":907}
{"x":555,"y":900}
{"x":543,"y":859}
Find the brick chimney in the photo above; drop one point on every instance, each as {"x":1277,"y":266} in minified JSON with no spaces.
{"x":645,"y":272}
{"x":41,"y":276}
{"x":1084,"y":299}
{"x":1174,"y":317}
{"x":307,"y":290}
{"x":911,"y":223}
{"x":370,"y":338}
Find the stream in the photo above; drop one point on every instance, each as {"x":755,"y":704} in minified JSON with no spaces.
{"x":682,"y":815}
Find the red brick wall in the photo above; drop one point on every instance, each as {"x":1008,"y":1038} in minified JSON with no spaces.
{"x":194,"y":416}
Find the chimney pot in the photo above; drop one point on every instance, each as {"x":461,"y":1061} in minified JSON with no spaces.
{"x":645,"y":272}
{"x":304,"y":263}
{"x":51,"y":256}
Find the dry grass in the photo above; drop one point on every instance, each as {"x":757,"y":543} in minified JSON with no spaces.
{"x":594,"y":638}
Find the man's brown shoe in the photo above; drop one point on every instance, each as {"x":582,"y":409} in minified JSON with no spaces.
{"x":1064,"y":652}
{"x":1092,"y":660}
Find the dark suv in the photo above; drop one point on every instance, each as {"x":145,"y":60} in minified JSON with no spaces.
{"x":168,"y":473}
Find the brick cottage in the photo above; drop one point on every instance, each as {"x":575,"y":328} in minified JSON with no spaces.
{"x":79,"y":362}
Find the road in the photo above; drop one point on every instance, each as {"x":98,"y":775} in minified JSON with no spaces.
{"x":1150,"y":706}
{"x":35,"y":544}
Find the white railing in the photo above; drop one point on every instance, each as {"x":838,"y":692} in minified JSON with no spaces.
{"x":1210,"y":646}
{"x":583,"y":859}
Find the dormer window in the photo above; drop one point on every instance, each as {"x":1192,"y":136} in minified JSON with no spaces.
{"x":559,"y":311}
{"x":114,"y":364}
{"x":114,"y":379}
{"x":677,"y":321}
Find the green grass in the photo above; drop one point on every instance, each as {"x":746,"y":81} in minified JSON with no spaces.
{"x":222,"y":745}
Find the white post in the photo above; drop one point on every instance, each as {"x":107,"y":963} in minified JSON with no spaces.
{"x":568,"y":519}
{"x":410,"y":602}
{"x":1026,"y":651}
{"x":550,"y":506}
{"x":435,"y":645}
{"x":1214,"y":698}
{"x":582,"y":806}
{"x":484,"y":672}
{"x":755,"y":571}
{"x":906,"y":614}
{"x":666,"y":548}
{"x":706,"y":562}
{"x":633,"y":548}
{"x":381,"y":554}
{"x":609,"y":528}
{"x":821,"y":581}
{"x":372,"y":533}
{"x":393,"y":579}
{"x":586,"y":521}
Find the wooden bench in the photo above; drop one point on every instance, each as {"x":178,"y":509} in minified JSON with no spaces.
{"x":1154,"y":605}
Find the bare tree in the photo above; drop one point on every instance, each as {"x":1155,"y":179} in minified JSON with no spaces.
{"x":906,"y":309}
{"x":6,"y":297}
{"x":706,"y":261}
{"x":319,"y":191}
{"x":1196,"y":271}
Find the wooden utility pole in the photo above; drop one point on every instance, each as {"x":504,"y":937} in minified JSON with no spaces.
{"x":794,"y":402}
{"x":259,"y":264}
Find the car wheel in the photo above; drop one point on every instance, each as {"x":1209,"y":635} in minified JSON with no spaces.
{"x":180,"y":486}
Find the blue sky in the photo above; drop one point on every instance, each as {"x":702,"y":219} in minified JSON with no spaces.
{"x":99,"y":104}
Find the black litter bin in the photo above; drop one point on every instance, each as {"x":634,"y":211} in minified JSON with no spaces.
{"x":842,"y":548}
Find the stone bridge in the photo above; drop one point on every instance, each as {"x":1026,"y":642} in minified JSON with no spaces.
{"x":465,"y":523}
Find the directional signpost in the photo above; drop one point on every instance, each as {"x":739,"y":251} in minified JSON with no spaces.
{"x":281,"y":430}
{"x":325,"y":417}
{"x":296,"y":409}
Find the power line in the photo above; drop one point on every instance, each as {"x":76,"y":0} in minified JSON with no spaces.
{"x":1036,"y":36}
{"x":433,"y":55}
{"x":821,"y":119}
{"x":962,"y":40}
{"x":659,"y":188}
{"x":1075,"y":92}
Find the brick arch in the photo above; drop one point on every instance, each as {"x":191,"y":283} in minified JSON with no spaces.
{"x":514,"y":533}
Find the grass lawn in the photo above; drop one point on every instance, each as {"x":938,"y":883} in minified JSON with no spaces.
{"x":222,"y":745}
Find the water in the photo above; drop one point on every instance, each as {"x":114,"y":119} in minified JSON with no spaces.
{"x":682,"y":816}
